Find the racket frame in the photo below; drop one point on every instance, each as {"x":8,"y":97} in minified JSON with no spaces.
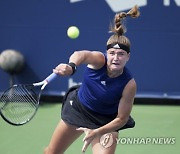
{"x":43,"y":84}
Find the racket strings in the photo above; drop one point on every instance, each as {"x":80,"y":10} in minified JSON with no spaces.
{"x":27,"y":96}
{"x":20,"y":104}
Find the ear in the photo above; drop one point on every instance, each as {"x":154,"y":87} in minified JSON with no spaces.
{"x":128,"y":56}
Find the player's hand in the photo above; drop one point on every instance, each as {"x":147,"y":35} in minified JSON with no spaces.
{"x":90,"y":134}
{"x":63,"y":69}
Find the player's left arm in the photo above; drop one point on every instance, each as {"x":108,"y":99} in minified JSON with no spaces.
{"x":124,"y":109}
{"x":126,"y":102}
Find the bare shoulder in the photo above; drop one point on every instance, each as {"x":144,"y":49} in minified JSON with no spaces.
{"x":97,"y":60}
{"x":130,"y":89}
{"x":131,"y":83}
{"x":97,"y":55}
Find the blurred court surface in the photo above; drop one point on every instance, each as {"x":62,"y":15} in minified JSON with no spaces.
{"x":156,"y":132}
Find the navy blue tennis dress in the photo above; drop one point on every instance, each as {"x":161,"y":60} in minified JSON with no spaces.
{"x":95,"y":102}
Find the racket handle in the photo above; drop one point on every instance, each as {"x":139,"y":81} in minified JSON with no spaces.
{"x":51,"y":77}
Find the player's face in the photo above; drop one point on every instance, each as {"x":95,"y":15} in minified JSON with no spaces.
{"x":116,"y":59}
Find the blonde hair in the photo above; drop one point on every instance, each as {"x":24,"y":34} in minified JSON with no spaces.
{"x":119,"y":29}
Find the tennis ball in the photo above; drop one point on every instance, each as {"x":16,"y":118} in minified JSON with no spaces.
{"x":73,"y":32}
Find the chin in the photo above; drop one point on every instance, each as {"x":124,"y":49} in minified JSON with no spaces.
{"x":115,"y":69}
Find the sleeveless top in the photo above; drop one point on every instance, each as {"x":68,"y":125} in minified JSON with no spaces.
{"x":101,"y":93}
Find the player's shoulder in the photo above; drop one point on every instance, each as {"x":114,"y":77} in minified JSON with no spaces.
{"x":131,"y":85}
{"x":98,"y":53}
{"x":98,"y":60}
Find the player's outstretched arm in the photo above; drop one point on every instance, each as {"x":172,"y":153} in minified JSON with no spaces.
{"x":94,"y":60}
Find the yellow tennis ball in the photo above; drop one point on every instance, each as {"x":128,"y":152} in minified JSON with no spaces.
{"x":73,"y":32}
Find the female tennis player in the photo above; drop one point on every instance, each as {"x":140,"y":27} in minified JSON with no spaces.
{"x":102,"y":104}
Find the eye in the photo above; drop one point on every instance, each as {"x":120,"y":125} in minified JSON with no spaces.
{"x":111,"y":52}
{"x":121,"y":53}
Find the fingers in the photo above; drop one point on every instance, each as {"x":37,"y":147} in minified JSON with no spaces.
{"x":81,"y":128}
{"x":86,"y":139}
{"x":85,"y":146}
{"x":63,"y":69}
{"x":85,"y":130}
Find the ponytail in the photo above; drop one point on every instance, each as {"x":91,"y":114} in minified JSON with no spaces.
{"x":119,"y":28}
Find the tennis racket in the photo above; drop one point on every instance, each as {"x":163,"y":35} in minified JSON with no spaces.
{"x":19,"y":103}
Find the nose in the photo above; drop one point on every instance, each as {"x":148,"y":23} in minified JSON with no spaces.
{"x":116,"y":57}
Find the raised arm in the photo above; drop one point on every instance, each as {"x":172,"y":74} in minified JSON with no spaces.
{"x":94,"y":60}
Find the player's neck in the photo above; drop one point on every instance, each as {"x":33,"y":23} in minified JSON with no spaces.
{"x":114,"y":74}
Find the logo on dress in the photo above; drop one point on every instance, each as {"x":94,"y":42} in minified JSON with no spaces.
{"x":71,"y":102}
{"x":103,"y":82}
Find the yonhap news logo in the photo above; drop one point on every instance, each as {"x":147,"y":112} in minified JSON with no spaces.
{"x":147,"y":140}
{"x":128,"y":4}
{"x":107,"y":141}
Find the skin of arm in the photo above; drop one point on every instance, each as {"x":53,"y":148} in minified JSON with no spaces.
{"x":94,"y":59}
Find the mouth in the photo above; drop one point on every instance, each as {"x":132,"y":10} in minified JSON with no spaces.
{"x":116,"y":64}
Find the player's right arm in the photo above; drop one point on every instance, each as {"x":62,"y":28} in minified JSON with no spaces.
{"x":94,"y":60}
